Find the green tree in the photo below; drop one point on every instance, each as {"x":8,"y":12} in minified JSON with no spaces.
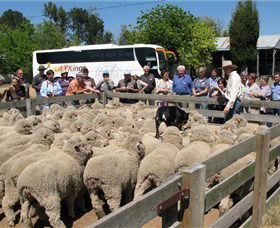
{"x":17,"y":45}
{"x":178,"y":31}
{"x":57,"y":15}
{"x":217,"y":25}
{"x":48,"y":36}
{"x":244,"y":34}
{"x":12,"y":18}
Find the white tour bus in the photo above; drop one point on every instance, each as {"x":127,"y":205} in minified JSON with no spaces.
{"x":114,"y":58}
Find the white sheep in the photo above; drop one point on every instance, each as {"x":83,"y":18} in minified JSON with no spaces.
{"x":49,"y":181}
{"x":109,"y":176}
{"x":159,"y":164}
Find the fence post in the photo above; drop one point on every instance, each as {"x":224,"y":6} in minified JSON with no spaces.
{"x":104,"y":98}
{"x":260,"y":181}
{"x":194,"y":178}
{"x":30,"y":107}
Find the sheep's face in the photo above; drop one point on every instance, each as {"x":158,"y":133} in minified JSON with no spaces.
{"x":94,"y":139}
{"x":34,"y":120}
{"x":23,"y":126}
{"x":70,"y":115}
{"x":53,"y":125}
{"x":58,"y":115}
{"x":76,"y":147}
{"x":43,"y":136}
{"x":56,"y":107}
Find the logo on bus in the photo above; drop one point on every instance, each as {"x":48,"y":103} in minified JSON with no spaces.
{"x":67,"y":68}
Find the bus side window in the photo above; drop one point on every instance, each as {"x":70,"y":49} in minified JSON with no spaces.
{"x":145,"y":55}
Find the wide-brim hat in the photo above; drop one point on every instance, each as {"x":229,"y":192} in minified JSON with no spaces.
{"x":41,"y":67}
{"x":228,"y":64}
{"x":79,"y":75}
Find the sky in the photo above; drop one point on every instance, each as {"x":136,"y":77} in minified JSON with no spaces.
{"x":114,"y":16}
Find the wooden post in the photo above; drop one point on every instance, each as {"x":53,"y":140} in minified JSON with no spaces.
{"x":194,"y":178}
{"x":260,"y":181}
{"x":273,"y":61}
{"x":170,"y":216}
{"x":104,"y":98}
{"x":258,"y":63}
{"x":30,"y":107}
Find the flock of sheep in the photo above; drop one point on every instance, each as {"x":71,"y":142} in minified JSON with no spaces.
{"x":109,"y":153}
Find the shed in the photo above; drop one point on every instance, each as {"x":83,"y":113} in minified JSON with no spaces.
{"x":268,"y":58}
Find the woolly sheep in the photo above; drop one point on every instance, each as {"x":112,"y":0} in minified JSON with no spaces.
{"x":9,"y":148}
{"x":114,"y":104}
{"x":23,"y":126}
{"x":186,"y":141}
{"x":196,"y":152}
{"x":9,"y":172}
{"x":244,"y":136}
{"x":115,"y":178}
{"x":195,"y":119}
{"x":225,"y":137}
{"x":52,"y":182}
{"x":238,"y":120}
{"x":148,"y":126}
{"x":94,"y":139}
{"x":159,"y":164}
{"x":97,"y":105}
{"x":151,"y":143}
{"x":201,"y":133}
{"x":34,"y":120}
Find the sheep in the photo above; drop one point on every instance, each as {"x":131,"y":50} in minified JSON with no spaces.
{"x":34,"y":120}
{"x":150,"y":142}
{"x":225,"y":137}
{"x":201,"y":133}
{"x":23,"y":126}
{"x":241,"y":191}
{"x":41,"y":136}
{"x":114,"y":104}
{"x":94,"y":139}
{"x":107,"y":131}
{"x":107,"y":183}
{"x":58,"y":178}
{"x":68,"y":118}
{"x":238,"y":120}
{"x":218,"y":148}
{"x":196,"y":152}
{"x":195,"y":119}
{"x":97,"y":105}
{"x":9,"y":172}
{"x":156,"y":167}
{"x":11,"y":117}
{"x":186,"y":141}
{"x":148,"y":126}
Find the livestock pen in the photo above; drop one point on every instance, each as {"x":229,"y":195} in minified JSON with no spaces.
{"x":188,"y":187}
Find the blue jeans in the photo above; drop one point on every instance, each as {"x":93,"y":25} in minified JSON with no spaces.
{"x":236,"y":109}
{"x":201,"y":106}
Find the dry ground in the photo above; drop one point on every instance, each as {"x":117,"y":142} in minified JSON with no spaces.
{"x":272,"y":216}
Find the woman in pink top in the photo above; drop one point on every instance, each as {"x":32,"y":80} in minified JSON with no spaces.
{"x":163,"y":86}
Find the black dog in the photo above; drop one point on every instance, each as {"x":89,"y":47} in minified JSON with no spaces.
{"x":171,"y":116}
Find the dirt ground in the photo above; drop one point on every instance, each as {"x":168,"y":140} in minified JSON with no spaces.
{"x":90,"y":217}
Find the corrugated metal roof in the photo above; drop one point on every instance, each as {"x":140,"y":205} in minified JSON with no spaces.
{"x":264,"y":42}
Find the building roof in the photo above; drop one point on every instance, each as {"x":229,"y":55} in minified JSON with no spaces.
{"x":264,"y":42}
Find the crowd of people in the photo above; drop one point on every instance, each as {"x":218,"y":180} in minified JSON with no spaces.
{"x":228,"y":90}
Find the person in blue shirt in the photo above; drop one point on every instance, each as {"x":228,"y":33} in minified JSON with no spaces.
{"x":275,"y":92}
{"x":213,"y":82}
{"x":50,"y":88}
{"x":201,"y":87}
{"x":182,"y":83}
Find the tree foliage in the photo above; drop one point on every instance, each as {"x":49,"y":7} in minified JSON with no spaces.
{"x":12,"y":18}
{"x":177,"y":30}
{"x":16,"y":47}
{"x":217,"y":25}
{"x":244,"y":33}
{"x":49,"y":36}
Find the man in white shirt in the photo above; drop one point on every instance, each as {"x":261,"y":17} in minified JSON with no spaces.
{"x":233,"y":90}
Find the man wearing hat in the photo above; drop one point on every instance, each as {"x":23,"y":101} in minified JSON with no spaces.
{"x":105,"y":84}
{"x":127,"y":85}
{"x":76,"y":86}
{"x":38,"y":80}
{"x":64,"y":82}
{"x":233,"y":90}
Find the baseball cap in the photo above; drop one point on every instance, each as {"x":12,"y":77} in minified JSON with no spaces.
{"x":128,"y":72}
{"x":105,"y":72}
